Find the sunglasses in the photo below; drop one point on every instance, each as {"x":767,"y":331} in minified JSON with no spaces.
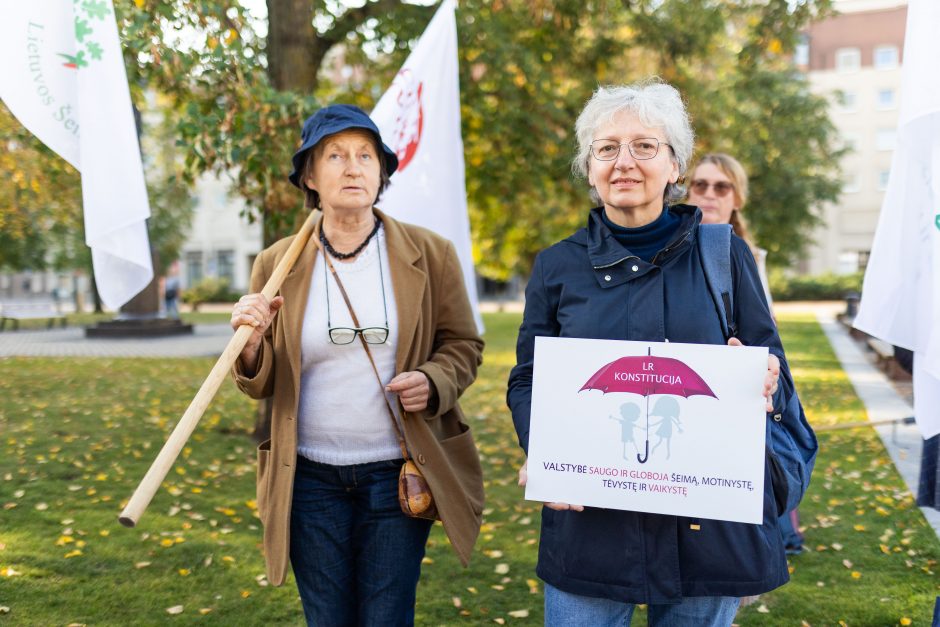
{"x":722,"y":188}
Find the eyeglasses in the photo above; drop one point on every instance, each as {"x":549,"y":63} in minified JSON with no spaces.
{"x":347,"y":335}
{"x":700,"y":186}
{"x":641,"y":148}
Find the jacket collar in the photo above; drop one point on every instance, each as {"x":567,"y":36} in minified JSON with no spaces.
{"x":408,"y":283}
{"x":604,"y":249}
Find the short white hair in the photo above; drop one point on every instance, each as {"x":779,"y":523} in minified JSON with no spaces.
{"x":656,"y":104}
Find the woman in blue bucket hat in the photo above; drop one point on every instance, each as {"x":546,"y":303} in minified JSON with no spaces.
{"x":364,"y":353}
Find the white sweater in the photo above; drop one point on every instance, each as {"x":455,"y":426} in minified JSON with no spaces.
{"x":342,"y":418}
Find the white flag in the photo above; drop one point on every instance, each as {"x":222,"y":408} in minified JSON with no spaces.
{"x":901,"y":294}
{"x":419,"y":117}
{"x":62,"y":75}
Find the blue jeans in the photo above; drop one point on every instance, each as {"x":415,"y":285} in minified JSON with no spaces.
{"x":563,"y":608}
{"x":356,"y":557}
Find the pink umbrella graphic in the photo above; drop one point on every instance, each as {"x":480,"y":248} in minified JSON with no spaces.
{"x":648,"y":375}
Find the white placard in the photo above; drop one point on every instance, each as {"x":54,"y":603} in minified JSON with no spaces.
{"x":649,"y":426}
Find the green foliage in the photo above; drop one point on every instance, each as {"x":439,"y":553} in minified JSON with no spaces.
{"x":526,"y":69}
{"x":209,"y":290}
{"x":41,"y":221}
{"x":40,"y":199}
{"x":68,"y":461}
{"x":826,"y":286}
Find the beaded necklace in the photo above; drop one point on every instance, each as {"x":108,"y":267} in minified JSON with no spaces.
{"x":338,"y":255}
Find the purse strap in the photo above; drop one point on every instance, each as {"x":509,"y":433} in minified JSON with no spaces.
{"x":365,"y":345}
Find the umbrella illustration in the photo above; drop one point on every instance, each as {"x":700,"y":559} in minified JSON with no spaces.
{"x":648,"y":375}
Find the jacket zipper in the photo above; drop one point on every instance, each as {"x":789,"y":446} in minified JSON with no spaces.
{"x":668,"y":250}
{"x":616,"y":262}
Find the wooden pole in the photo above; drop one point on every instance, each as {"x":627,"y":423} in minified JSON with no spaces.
{"x":171,"y":449}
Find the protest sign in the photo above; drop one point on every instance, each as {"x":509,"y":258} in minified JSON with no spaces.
{"x":649,"y":426}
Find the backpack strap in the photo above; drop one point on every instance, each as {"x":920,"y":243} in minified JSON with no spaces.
{"x":715,"y":252}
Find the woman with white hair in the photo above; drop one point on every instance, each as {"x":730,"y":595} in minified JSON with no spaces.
{"x":635,"y":273}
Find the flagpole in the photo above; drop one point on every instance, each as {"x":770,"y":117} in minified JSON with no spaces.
{"x":171,"y":449}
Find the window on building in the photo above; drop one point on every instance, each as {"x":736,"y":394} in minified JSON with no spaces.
{"x":886,"y":99}
{"x":886,"y":57}
{"x":885,"y":139}
{"x":848,"y":262}
{"x":848,"y":59}
{"x":850,"y":183}
{"x":850,"y":141}
{"x":883,"y":177}
{"x":801,"y":53}
{"x":225,"y":265}
{"x":193,"y":267}
{"x":847,"y":100}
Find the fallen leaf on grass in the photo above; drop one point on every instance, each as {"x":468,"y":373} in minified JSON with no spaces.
{"x":856,"y":574}
{"x":905,"y":620}
{"x":763,"y":609}
{"x":74,"y":553}
{"x":140,"y":565}
{"x":847,"y":563}
{"x":176,"y":609}
{"x":457,"y":602}
{"x":501,"y":569}
{"x":519,"y":613}
{"x":245,"y":594}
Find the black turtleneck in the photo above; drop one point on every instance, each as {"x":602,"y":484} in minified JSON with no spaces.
{"x":647,"y":240}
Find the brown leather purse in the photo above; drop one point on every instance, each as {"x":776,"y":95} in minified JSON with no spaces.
{"x":414,"y":493}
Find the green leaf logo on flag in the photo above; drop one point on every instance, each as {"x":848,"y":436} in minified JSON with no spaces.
{"x":86,"y":11}
{"x":936,"y":220}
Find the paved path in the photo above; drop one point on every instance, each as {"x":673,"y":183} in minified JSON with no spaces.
{"x":903,"y":442}
{"x":207,"y":340}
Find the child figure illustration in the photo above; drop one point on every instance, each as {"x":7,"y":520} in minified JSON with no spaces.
{"x":629,"y":414}
{"x":667,"y":408}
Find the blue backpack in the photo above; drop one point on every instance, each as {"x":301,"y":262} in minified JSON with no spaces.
{"x":790,"y":441}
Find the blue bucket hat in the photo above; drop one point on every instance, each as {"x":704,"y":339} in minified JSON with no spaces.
{"x":329,"y":121}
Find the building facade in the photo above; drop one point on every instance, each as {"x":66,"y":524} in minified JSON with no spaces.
{"x":854,"y":59}
{"x":222,"y":242}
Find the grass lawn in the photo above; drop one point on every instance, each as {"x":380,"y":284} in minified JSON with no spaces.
{"x":76,"y":435}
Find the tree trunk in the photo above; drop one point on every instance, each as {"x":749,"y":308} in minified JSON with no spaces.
{"x":293,"y":63}
{"x":292,"y":42}
{"x":95,"y":297}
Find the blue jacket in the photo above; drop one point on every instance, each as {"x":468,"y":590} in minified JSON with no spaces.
{"x":589,"y":286}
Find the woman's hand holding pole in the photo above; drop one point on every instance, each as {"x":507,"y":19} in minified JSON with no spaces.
{"x":243,"y":335}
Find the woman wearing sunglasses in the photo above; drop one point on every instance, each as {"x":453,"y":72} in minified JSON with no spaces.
{"x":364,"y":353}
{"x":719,"y":188}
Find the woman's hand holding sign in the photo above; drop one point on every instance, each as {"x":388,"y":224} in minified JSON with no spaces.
{"x":559,"y":507}
{"x":772,"y":377}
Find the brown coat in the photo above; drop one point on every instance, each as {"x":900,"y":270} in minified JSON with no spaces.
{"x":437,"y":335}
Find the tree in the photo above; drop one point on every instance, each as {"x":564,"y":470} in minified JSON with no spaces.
{"x":240,"y":87}
{"x":526,"y":68}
